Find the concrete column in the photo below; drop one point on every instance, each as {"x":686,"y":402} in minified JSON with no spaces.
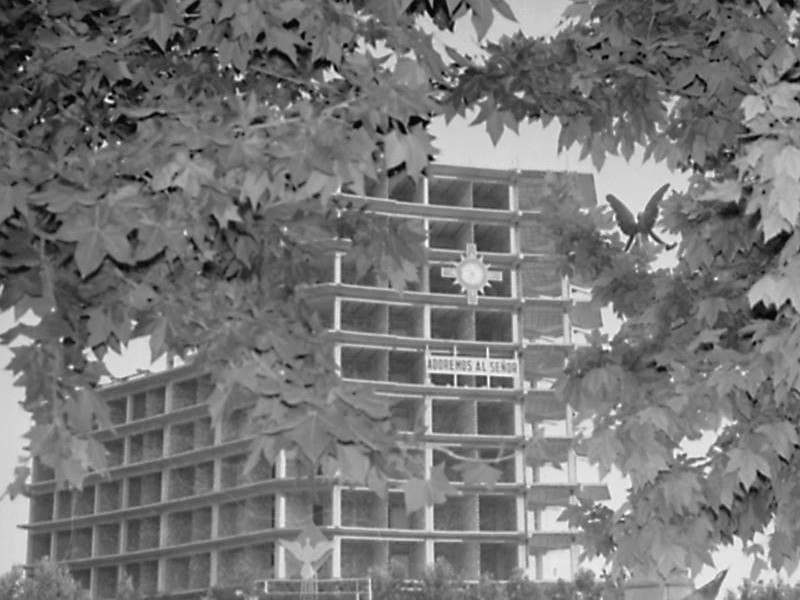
{"x":161,"y":583}
{"x":337,"y":268}
{"x":523,"y":560}
{"x":382,"y":559}
{"x":280,"y":511}
{"x":336,"y":557}
{"x":522,"y":521}
{"x":216,"y":483}
{"x":428,"y":510}
{"x":213,"y":568}
{"x":429,"y":554}
{"x":472,"y":560}
{"x":574,"y":559}
{"x":280,"y":465}
{"x":280,"y":561}
{"x":169,"y":395}
{"x":93,"y":580}
{"x":427,"y":414}
{"x":337,"y":314}
{"x":539,"y":566}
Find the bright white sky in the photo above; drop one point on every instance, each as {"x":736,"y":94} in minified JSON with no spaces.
{"x":459,"y":144}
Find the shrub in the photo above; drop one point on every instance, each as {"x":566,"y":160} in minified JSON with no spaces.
{"x":47,"y":581}
{"x":51,"y":581}
{"x":442,"y":583}
{"x":765,"y":591}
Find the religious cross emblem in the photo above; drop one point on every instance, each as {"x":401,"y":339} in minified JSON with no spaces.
{"x":472,"y":274}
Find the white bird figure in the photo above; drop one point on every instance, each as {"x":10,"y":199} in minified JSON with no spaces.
{"x":309,"y":548}
{"x":307,"y":553}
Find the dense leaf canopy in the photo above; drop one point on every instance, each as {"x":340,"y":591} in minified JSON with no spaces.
{"x":169,"y":170}
{"x":710,"y":346}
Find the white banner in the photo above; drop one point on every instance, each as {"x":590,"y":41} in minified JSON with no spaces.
{"x":471,"y":365}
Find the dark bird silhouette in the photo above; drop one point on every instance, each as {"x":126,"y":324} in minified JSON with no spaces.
{"x":710,"y":590}
{"x":644,"y":223}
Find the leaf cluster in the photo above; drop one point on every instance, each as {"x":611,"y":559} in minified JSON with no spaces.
{"x":46,"y":581}
{"x":170,"y":171}
{"x":695,"y":398}
{"x":765,"y":591}
{"x":441,"y":582}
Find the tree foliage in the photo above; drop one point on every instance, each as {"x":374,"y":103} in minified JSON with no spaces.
{"x":169,"y":170}
{"x":708,"y":351}
{"x":765,"y":591}
{"x":441,"y":582}
{"x":46,"y":581}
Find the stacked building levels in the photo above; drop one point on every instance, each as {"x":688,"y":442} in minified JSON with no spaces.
{"x":467,"y":355}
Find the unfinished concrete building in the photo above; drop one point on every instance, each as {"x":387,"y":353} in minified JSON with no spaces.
{"x":468,"y":355}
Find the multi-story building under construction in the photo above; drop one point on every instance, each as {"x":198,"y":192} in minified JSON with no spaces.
{"x":467,"y":355}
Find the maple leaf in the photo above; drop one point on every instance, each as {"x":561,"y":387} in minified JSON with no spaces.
{"x":90,"y":252}
{"x":782,"y":436}
{"x":355,"y":464}
{"x":408,"y":72}
{"x":411,"y":150}
{"x":670,"y":555}
{"x":707,"y":337}
{"x":747,"y":464}
{"x":494,"y":127}
{"x":603,"y":448}
{"x":419,"y":492}
{"x":192,"y":175}
{"x":152,"y":240}
{"x":681,"y":491}
{"x":99,"y":326}
{"x":311,"y":436}
{"x":158,"y":339}
{"x":784,"y":198}
{"x":19,"y":484}
{"x":94,"y":241}
{"x":395,"y":150}
{"x":378,"y":483}
{"x":482,"y":16}
{"x":481,"y":474}
{"x":95,"y":456}
{"x":71,"y":470}
{"x":788,"y":162}
{"x":416,"y":493}
{"x":657,"y":416}
{"x":8,"y":201}
{"x":256,"y":182}
{"x":779,"y":287}
{"x":264,"y":447}
{"x":709,"y":309}
{"x":728,"y":190}
{"x":159,"y":28}
{"x":363,"y":400}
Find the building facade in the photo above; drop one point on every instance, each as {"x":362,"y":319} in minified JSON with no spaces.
{"x":466,"y":356}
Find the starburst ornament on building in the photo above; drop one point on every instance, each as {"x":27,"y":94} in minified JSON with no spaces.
{"x":472,"y":274}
